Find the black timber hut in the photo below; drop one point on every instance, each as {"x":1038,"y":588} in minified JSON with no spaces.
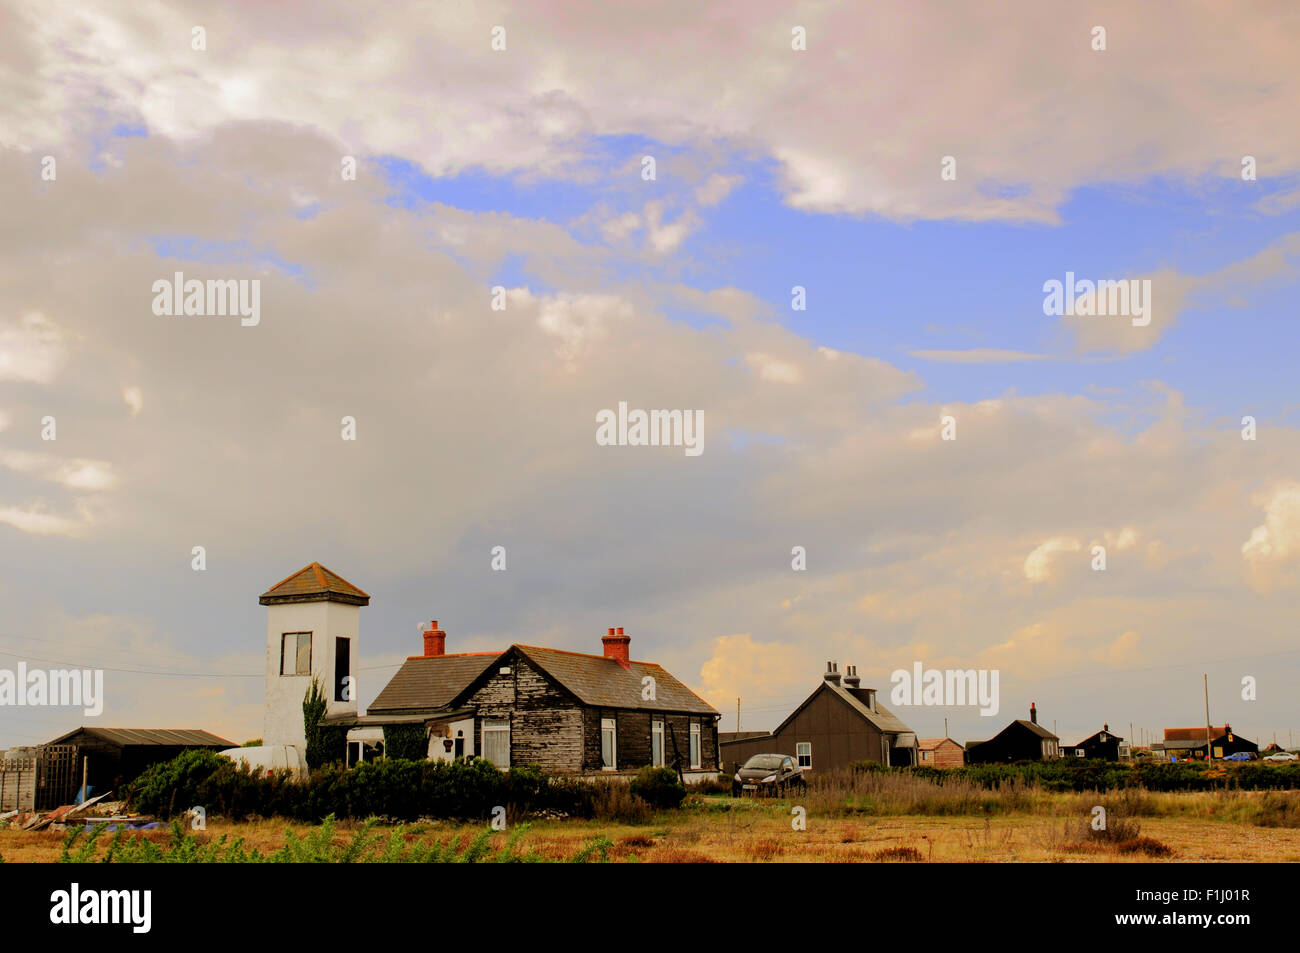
{"x":1019,"y":741}
{"x":1103,"y":745}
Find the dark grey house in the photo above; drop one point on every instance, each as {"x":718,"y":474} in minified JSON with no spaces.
{"x":563,"y":711}
{"x":838,"y":724}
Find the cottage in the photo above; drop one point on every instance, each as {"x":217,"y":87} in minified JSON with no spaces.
{"x":1103,"y":745}
{"x":838,"y":724}
{"x":1019,"y":741}
{"x":566,"y":712}
{"x":940,"y":753}
{"x":1186,"y":743}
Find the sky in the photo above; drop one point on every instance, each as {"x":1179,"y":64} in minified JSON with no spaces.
{"x":920,"y":170}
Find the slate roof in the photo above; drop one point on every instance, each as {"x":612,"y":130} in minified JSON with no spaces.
{"x":314,"y":583}
{"x":167,"y":737}
{"x":425,"y":683}
{"x":1109,"y":734}
{"x":882,"y":718}
{"x":433,"y":682}
{"x":601,"y":682}
{"x":1036,"y":729}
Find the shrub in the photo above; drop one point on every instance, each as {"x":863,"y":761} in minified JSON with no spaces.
{"x":325,"y":743}
{"x":406,"y":742}
{"x":659,"y":787}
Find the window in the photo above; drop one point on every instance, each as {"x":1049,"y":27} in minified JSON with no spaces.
{"x":695,"y":744}
{"x":496,"y":741}
{"x":657,"y":743}
{"x":295,"y":653}
{"x":926,"y":755}
{"x":804,"y":751}
{"x":1078,"y":752}
{"x":343,"y":670}
{"x":608,"y":744}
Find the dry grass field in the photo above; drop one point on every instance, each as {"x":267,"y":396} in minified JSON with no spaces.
{"x":1146,"y":828}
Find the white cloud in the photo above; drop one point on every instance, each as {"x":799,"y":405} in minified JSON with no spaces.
{"x":1039,"y":563}
{"x":31,"y":349}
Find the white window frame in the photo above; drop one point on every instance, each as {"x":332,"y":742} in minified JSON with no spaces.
{"x":657,"y":742}
{"x":610,"y":725}
{"x":697,"y":746}
{"x":284,"y":636}
{"x":496,"y":726}
{"x":799,"y":749}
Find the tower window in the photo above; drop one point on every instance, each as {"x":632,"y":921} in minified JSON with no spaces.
{"x":343,"y":690}
{"x":295,"y":653}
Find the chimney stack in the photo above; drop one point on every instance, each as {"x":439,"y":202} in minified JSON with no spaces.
{"x":851,"y":680}
{"x":832,"y":673}
{"x":1033,"y":713}
{"x":435,"y":640}
{"x":616,"y":644}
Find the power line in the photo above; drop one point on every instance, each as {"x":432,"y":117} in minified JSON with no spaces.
{"x":139,"y":671}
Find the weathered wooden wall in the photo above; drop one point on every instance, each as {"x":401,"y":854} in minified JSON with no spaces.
{"x":546,"y":724}
{"x":18,"y":784}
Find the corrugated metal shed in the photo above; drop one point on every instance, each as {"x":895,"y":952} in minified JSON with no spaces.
{"x":130,"y":737}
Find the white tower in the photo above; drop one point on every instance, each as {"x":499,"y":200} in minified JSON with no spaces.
{"x":312,"y":621}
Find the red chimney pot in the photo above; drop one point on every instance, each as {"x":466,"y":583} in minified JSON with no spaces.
{"x":435,"y":641}
{"x":616,"y":644}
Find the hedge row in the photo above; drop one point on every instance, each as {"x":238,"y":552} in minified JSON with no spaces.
{"x":1095,"y":775}
{"x":398,"y":789}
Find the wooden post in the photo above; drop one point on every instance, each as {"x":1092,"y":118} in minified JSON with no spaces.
{"x":1208,"y":740}
{"x":677,"y":754}
{"x":85,"y":770}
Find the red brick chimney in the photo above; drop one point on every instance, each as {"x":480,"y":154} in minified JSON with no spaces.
{"x":435,"y":640}
{"x":1033,"y":713}
{"x":616,"y":646}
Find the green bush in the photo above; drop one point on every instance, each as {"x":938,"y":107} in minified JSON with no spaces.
{"x":397,"y":789}
{"x":326,"y":744}
{"x":410,"y":742}
{"x":658,"y":787}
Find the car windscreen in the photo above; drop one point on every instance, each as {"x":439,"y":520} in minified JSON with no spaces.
{"x":767,"y":762}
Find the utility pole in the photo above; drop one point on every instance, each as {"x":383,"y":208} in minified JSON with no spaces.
{"x":1208,"y":740}
{"x":945,"y":727}
{"x":738,"y":715}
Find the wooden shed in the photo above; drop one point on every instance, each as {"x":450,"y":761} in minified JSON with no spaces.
{"x":118,"y":755}
{"x":940,"y":753}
